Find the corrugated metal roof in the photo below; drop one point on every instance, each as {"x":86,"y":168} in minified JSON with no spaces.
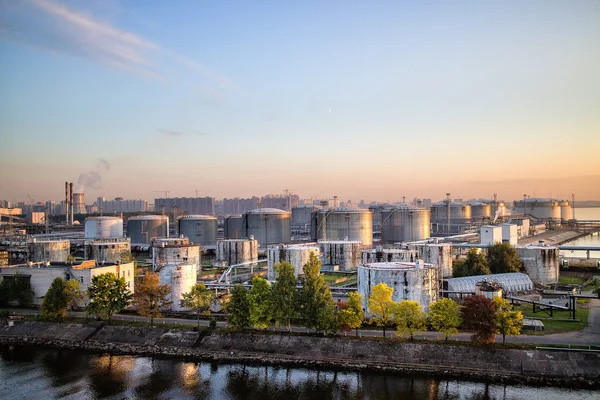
{"x":511,"y":282}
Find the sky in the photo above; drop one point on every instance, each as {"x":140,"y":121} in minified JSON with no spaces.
{"x":371,"y":100}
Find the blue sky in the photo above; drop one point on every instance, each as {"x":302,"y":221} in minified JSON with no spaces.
{"x":373,"y":100}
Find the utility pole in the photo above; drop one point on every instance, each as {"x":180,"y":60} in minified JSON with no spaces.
{"x":197,"y":191}
{"x":524,"y":203}
{"x":573,"y":205}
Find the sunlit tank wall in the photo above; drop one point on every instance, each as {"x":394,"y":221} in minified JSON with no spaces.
{"x":405,"y":224}
{"x":295,"y":255}
{"x":103,"y":227}
{"x":301,"y":216}
{"x":175,"y":250}
{"x":459,"y":213}
{"x":376,"y":211}
{"x":411,"y":281}
{"x":236,"y":251}
{"x":144,"y":228}
{"x":566,"y":211}
{"x":541,"y":263}
{"x":539,"y":208}
{"x":48,"y":250}
{"x":438,"y":254}
{"x":200,"y":229}
{"x":379,"y":254}
{"x":106,"y":250}
{"x":233,"y":227}
{"x":480,"y":210}
{"x":343,"y":223}
{"x":181,"y":277}
{"x":344,"y":253}
{"x":268,"y":226}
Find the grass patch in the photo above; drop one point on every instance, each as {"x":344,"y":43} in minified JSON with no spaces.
{"x":556,"y":323}
{"x":333,"y":277}
{"x":571,"y":280}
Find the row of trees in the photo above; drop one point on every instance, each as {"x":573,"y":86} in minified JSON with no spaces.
{"x":499,"y":258}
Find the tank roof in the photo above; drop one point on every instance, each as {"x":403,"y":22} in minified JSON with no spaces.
{"x":197,"y":217}
{"x":147,"y":217}
{"x":340,"y":241}
{"x":308,"y":206}
{"x":268,"y":211}
{"x":235,"y":240}
{"x":395,"y":265}
{"x":104,"y":218}
{"x":452,"y":204}
{"x":344,"y":210}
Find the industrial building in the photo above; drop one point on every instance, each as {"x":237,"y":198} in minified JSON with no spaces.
{"x":200,"y":229}
{"x":340,"y":254}
{"x":236,"y":251}
{"x":511,"y":283}
{"x":41,"y":275}
{"x":296,"y":255}
{"x":343,"y":224}
{"x":416,"y":281}
{"x":491,"y":234}
{"x":119,"y":205}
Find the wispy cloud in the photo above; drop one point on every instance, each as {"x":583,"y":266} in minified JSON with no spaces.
{"x":53,"y":26}
{"x":172,"y":133}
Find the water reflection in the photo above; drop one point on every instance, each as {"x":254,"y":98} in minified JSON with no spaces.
{"x":27,"y":372}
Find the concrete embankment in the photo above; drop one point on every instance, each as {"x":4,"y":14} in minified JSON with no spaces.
{"x":559,"y":368}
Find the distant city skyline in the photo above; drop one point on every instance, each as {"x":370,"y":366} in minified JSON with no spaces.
{"x":363,"y":100}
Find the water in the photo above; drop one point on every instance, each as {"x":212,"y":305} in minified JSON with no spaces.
{"x":35,"y":373}
{"x":589,"y":240}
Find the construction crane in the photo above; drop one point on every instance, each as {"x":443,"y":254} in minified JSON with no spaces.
{"x":197,"y":191}
{"x":166,"y":192}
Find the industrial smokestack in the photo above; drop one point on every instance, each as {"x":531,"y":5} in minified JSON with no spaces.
{"x":66,"y":202}
{"x":71,"y":200}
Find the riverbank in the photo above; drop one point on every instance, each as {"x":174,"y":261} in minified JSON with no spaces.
{"x":489,"y":364}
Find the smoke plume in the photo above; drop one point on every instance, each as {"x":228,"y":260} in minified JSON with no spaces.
{"x":92,"y":179}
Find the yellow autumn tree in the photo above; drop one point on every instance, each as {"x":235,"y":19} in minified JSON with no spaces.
{"x":381,"y":306}
{"x":150,"y":297}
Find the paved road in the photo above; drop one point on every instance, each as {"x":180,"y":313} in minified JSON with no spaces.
{"x":585,"y":337}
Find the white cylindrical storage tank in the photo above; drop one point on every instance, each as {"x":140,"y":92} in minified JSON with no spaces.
{"x":200,"y":229}
{"x":539,"y":208}
{"x":566,"y":211}
{"x":44,"y":250}
{"x":295,"y":255}
{"x":175,"y":250}
{"x":268,"y":226}
{"x":103,"y":228}
{"x":405,"y":224}
{"x":343,"y":224}
{"x":232,"y":227}
{"x":378,"y":255}
{"x":107,"y":250}
{"x":181,"y":277}
{"x":344,"y":253}
{"x":236,"y":251}
{"x":411,"y":281}
{"x":480,"y":210}
{"x":144,"y":228}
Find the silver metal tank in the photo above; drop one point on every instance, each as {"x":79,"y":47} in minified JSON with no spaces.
{"x":342,"y":223}
{"x":200,"y":229}
{"x":45,"y":250}
{"x":480,"y":210}
{"x":405,"y":224}
{"x":458,"y":212}
{"x":144,"y":228}
{"x":301,"y":216}
{"x":268,"y":226}
{"x":566,"y":211}
{"x":106,"y":250}
{"x":103,"y":228}
{"x":539,"y":208}
{"x":232,"y":227}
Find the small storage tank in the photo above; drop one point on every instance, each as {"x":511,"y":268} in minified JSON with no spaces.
{"x":236,"y":251}
{"x":200,"y":229}
{"x":480,"y":210}
{"x":268,"y":226}
{"x":103,"y":227}
{"x":301,"y":216}
{"x":405,"y":224}
{"x":541,"y":263}
{"x":343,"y":224}
{"x":181,"y":277}
{"x":175,"y":250}
{"x":379,"y":254}
{"x":107,"y":250}
{"x":344,"y":253}
{"x":232,"y":227}
{"x":438,"y":254}
{"x":416,"y":281}
{"x":489,"y":290}
{"x":295,"y":255}
{"x":45,"y":250}
{"x":566,"y":211}
{"x":144,"y":228}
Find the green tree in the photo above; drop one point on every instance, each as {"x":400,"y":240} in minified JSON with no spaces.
{"x":238,"y":308}
{"x":73,"y":294}
{"x":409,"y":318}
{"x":502,"y":258}
{"x":351,"y":314}
{"x":108,"y":294}
{"x":444,"y":317}
{"x":54,"y":305}
{"x":479,"y":315}
{"x":150,"y":297}
{"x":474,"y":264}
{"x":198,"y":299}
{"x":381,"y":306}
{"x":16,"y":288}
{"x":259,"y":302}
{"x":127,"y":257}
{"x":508,"y":322}
{"x":316,"y":305}
{"x":283,"y":294}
